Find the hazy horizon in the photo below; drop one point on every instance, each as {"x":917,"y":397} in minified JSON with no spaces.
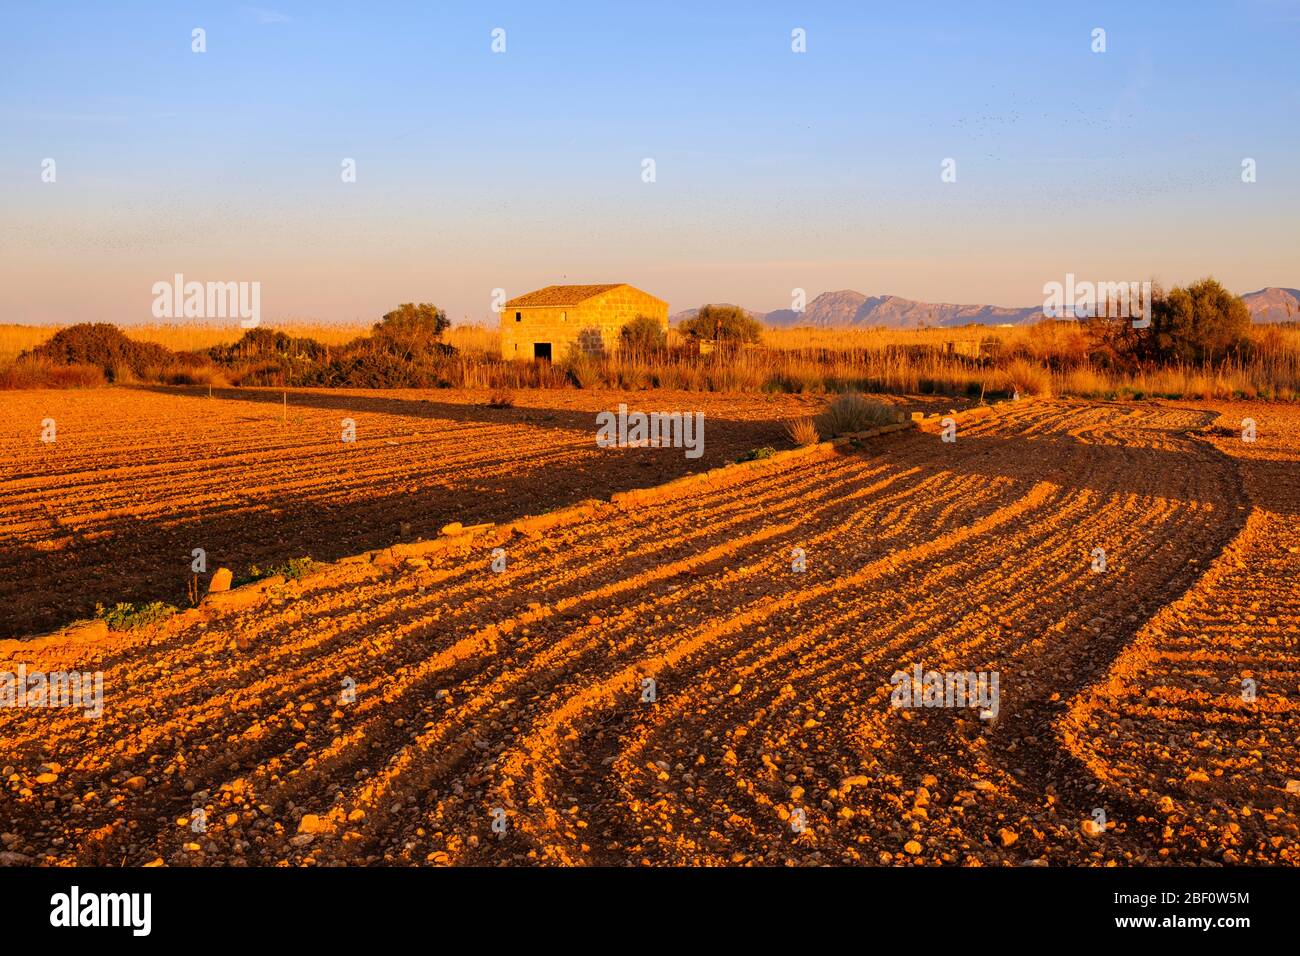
{"x":774,"y":170}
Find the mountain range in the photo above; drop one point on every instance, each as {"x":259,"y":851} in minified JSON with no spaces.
{"x":849,"y":309}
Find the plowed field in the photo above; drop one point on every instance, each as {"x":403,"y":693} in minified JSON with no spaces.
{"x":136,"y":479}
{"x":443,"y":711}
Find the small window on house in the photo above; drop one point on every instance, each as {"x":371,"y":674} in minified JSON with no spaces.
{"x":519,"y":316}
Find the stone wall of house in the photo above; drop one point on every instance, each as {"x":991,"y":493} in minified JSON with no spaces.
{"x":593,"y":326}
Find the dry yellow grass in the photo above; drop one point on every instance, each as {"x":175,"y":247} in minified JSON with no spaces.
{"x":845,"y":340}
{"x":16,"y":339}
{"x":802,"y":431}
{"x":1043,"y":359}
{"x":1043,"y":338}
{"x":1028,"y":378}
{"x":192,"y":336}
{"x":1049,"y":358}
{"x":177,"y":336}
{"x":474,"y":338}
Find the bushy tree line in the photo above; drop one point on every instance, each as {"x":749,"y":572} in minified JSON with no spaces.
{"x":1203,"y":322}
{"x":1199,"y":324}
{"x":404,"y":349}
{"x":105,"y":347}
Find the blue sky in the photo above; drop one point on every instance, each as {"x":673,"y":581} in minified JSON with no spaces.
{"x":774,"y":170}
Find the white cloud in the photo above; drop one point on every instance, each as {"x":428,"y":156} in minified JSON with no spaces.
{"x":263,"y":15}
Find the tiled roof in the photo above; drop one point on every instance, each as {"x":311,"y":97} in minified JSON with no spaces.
{"x":561,"y":294}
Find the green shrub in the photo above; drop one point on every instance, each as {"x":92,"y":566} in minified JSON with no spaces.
{"x":643,"y":335}
{"x":124,"y":616}
{"x":263,"y":343}
{"x":290,"y":570}
{"x":1201,"y":323}
{"x":103,"y":346}
{"x":412,"y":331}
{"x":727,"y":323}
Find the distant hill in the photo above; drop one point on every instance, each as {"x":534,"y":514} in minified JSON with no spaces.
{"x":1273,"y":304}
{"x":849,"y":309}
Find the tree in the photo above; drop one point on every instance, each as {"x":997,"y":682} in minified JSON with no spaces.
{"x":410,"y":330}
{"x":106,"y":346}
{"x":1201,"y":323}
{"x":643,"y":334}
{"x":728,"y":323}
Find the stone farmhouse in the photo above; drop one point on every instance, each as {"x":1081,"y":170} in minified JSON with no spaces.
{"x":547,"y":323}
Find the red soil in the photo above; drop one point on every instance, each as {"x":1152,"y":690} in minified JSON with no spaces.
{"x":521,"y":691}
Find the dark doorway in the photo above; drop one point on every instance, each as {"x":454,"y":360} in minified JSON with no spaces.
{"x":542,"y":350}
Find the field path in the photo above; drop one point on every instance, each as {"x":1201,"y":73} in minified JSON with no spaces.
{"x":392,"y":714}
